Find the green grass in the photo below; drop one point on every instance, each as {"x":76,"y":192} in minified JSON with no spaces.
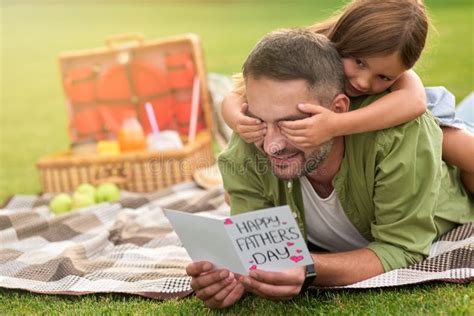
{"x":443,"y":299}
{"x":33,"y":118}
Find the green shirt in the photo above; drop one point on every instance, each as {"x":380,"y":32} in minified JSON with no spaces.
{"x":392,"y":185}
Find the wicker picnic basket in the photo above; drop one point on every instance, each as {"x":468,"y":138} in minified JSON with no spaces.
{"x":159,"y":72}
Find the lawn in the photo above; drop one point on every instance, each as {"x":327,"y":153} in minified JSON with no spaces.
{"x":33,"y":118}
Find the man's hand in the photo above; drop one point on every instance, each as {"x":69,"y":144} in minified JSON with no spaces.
{"x":275,"y":285}
{"x":216,"y":288}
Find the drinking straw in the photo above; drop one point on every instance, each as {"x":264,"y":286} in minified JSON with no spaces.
{"x":194,"y":110}
{"x":151,"y":118}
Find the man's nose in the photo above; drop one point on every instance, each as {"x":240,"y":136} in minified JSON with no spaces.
{"x":274,"y":141}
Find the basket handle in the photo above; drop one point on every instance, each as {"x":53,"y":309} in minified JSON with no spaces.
{"x":115,"y":41}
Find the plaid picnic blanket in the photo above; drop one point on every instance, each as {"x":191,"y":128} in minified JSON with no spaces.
{"x":130,"y":247}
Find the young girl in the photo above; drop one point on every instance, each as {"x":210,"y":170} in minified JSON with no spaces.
{"x":379,"y":42}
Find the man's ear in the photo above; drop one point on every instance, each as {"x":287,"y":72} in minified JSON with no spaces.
{"x":340,"y":103}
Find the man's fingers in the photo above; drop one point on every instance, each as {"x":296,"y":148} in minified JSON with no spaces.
{"x":222,"y":294}
{"x":288,"y":277}
{"x":207,"y":292}
{"x":208,"y":279}
{"x":233,"y":296}
{"x":196,"y":268}
{"x":270,"y":291}
{"x":275,"y":285}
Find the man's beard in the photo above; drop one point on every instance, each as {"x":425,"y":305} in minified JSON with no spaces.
{"x":303,"y":168}
{"x":316,"y":158}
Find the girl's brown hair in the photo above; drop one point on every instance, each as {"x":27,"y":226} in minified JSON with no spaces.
{"x":366,"y":28}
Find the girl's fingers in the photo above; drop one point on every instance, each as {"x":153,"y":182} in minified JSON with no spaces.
{"x":250,"y":128}
{"x":252,"y":135}
{"x":298,"y":124}
{"x":304,"y":145}
{"x":311,"y":108}
{"x":294,"y":132}
{"x":244,"y":107}
{"x":247,"y":120}
{"x":296,"y":139}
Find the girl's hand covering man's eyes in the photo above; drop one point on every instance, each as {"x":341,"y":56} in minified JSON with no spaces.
{"x":250,"y":129}
{"x":311,"y":131}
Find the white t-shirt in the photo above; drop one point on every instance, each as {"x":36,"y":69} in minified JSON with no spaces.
{"x":326,"y":222}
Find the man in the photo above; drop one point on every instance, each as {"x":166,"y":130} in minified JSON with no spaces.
{"x":376,"y":200}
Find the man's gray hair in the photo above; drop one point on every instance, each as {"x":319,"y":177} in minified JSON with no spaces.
{"x":290,"y":54}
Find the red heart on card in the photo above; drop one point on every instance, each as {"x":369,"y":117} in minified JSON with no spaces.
{"x":290,"y":244}
{"x":296,"y":258}
{"x":254,"y":267}
{"x":228,"y":221}
{"x":299,"y":250}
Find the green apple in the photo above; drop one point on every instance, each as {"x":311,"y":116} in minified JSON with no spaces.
{"x":61,"y":203}
{"x":80,"y":200}
{"x":107,"y":192}
{"x":86,"y":188}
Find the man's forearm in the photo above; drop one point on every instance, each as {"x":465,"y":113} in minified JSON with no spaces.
{"x":345,"y":268}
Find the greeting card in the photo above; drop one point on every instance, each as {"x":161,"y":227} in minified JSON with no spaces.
{"x":267,"y":239}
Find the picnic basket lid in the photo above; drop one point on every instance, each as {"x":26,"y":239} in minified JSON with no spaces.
{"x":102,"y":84}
